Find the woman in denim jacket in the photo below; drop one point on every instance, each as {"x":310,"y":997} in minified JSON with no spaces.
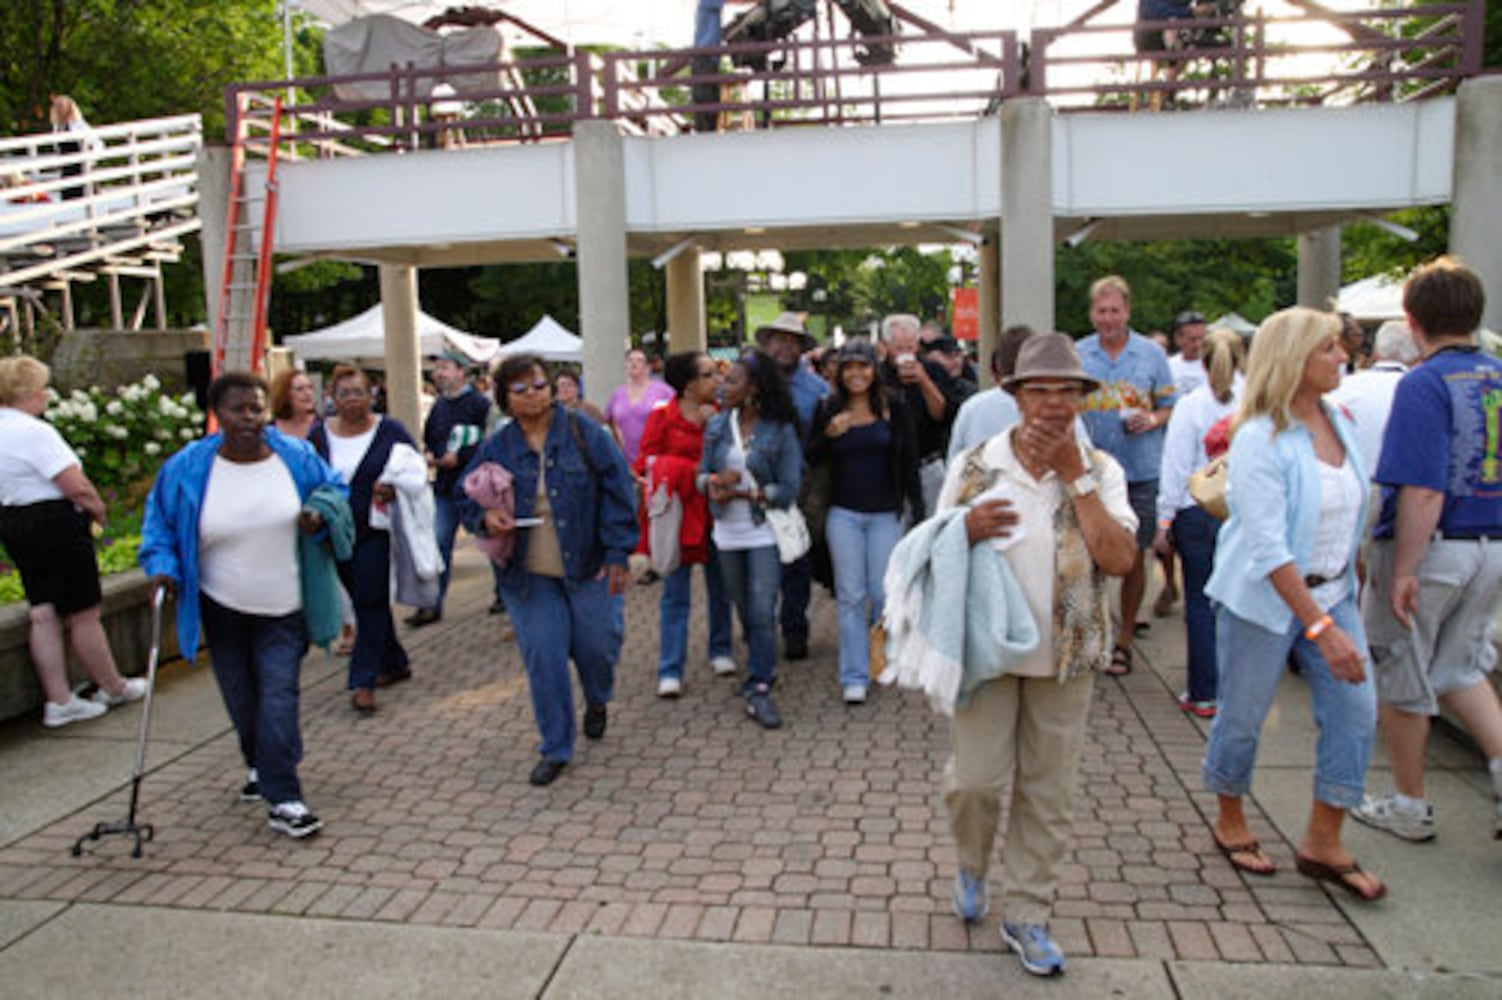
{"x":575,"y":524}
{"x":1285,"y":580}
{"x":752,"y":461}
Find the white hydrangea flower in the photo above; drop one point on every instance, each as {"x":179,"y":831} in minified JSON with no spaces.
{"x":151,"y":382}
{"x":186,"y":434}
{"x":114,"y":408}
{"x":152,"y":448}
{"x":52,"y":396}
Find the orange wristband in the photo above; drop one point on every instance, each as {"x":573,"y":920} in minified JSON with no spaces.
{"x":1317,"y":629}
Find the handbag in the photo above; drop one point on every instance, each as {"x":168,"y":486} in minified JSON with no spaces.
{"x":1208,"y":487}
{"x":793,"y":539}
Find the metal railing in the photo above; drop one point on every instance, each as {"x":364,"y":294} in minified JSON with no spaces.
{"x":81,"y":199}
{"x":1241,"y":60}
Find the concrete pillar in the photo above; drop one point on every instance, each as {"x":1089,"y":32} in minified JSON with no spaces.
{"x":604,"y":296}
{"x":686,"y":320}
{"x":403,"y":363}
{"x":1027,"y":244}
{"x":1319,"y":268}
{"x":214,"y":164}
{"x":1476,"y":188}
{"x":988,"y":282}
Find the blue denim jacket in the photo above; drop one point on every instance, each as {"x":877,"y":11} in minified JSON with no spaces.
{"x":774,"y":457}
{"x":1273,"y":493}
{"x":594,"y":512}
{"x":169,"y":534}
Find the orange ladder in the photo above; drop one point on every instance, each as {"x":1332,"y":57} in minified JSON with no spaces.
{"x":243,"y":292}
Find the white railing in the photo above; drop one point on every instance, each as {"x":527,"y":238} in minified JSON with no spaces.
{"x":126,"y":190}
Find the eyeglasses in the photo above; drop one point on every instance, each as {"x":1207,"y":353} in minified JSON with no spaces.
{"x":520,"y":388}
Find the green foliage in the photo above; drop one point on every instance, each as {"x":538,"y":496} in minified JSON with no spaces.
{"x":123,"y":437}
{"x":1251,"y":277}
{"x":1366,"y":250}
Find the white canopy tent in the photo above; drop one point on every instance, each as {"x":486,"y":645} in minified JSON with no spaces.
{"x":1373,"y":299}
{"x":1236,"y":323}
{"x":363,"y":338}
{"x":549,"y":340}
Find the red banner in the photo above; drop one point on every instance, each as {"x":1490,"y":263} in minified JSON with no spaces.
{"x":965,"y":313}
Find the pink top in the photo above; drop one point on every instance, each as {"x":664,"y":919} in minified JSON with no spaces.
{"x":630,"y":419}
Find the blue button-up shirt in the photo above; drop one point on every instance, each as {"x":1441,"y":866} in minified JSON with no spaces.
{"x":1139,"y":378}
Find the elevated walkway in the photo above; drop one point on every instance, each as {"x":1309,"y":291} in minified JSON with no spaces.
{"x":113,"y":202}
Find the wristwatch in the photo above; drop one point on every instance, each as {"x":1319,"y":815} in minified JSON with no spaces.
{"x":1083,"y":486}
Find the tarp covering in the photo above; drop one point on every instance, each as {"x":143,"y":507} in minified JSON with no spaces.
{"x":363,"y":338}
{"x":374,"y":44}
{"x":1236,"y":323}
{"x":549,"y":340}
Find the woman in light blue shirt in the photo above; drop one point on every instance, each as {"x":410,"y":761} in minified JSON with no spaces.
{"x":1285,"y":580}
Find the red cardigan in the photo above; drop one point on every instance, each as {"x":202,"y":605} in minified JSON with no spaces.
{"x":668,"y":434}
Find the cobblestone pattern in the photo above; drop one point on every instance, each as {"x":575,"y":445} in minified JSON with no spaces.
{"x":686,"y":821}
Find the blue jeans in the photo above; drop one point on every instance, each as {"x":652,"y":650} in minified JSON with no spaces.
{"x":797,"y":587}
{"x":445,"y":527}
{"x":366,"y":577}
{"x":859,"y":546}
{"x":674,"y":610}
{"x":752,"y":577}
{"x":1251,"y":665}
{"x":257,"y":660}
{"x":1194,"y":532}
{"x":556,"y":620}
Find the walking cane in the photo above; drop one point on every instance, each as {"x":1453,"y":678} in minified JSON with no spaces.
{"x":142,"y":832}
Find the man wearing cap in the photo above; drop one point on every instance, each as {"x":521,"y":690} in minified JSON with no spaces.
{"x":947,"y":353}
{"x":1126,"y":415}
{"x":450,"y":438}
{"x":785,"y":340}
{"x":931,"y":395}
{"x":1063,"y":512}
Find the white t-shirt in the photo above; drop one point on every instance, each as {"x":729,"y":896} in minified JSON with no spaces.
{"x":734,"y":529}
{"x":346,"y":453}
{"x":1367,"y":396}
{"x":32,"y":452}
{"x":1187,"y":375}
{"x":247,"y":537}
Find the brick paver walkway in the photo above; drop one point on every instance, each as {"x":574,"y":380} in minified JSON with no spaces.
{"x":686,"y":821}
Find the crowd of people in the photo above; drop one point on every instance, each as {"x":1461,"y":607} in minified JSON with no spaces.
{"x":983,"y":528}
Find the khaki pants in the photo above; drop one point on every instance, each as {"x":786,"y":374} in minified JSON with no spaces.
{"x":1028,"y":731}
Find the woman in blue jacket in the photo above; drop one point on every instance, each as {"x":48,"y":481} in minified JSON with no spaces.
{"x":1285,"y":580}
{"x":575,"y":525}
{"x":221,"y":530}
{"x":357,"y":443}
{"x":752,"y":461}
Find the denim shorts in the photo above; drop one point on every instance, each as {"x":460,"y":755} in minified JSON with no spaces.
{"x":1450,"y":647}
{"x":1143,"y":498}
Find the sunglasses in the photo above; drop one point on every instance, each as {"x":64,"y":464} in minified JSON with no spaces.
{"x":520,"y":388}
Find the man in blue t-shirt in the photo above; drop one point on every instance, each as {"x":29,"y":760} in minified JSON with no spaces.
{"x":1126,"y":417}
{"x":1434,"y":582}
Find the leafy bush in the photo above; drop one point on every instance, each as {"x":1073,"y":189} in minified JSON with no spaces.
{"x":124,"y":437}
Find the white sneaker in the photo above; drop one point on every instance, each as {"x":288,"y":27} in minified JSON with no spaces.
{"x":855,"y":694}
{"x":1386,"y":814}
{"x":669,"y":687}
{"x":293,"y":819}
{"x":722,"y":665}
{"x":75,"y":709}
{"x":135,"y":690}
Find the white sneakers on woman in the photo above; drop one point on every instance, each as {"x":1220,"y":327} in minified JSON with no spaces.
{"x":76,"y":709}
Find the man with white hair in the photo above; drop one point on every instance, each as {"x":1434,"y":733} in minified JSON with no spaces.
{"x":1367,"y":395}
{"x":931,"y":395}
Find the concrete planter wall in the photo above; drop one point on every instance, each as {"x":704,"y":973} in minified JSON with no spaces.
{"x":126,"y":613}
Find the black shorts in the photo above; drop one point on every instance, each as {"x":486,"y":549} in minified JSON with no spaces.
{"x":51,"y":546}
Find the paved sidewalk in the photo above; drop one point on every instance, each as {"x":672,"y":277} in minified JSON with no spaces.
{"x":686,"y":833}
